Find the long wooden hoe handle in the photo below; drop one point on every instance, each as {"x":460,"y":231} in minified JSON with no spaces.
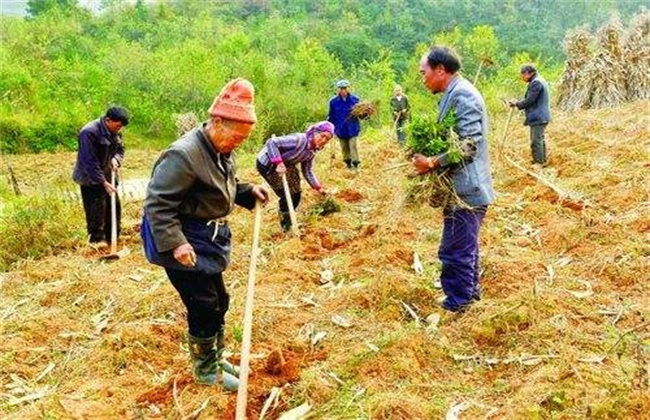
{"x":242,"y":392}
{"x":292,"y":212}
{"x":559,"y":191}
{"x":505,"y":130}
{"x":113,"y":216}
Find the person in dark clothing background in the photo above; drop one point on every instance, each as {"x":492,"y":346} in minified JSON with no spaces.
{"x":538,"y":112}
{"x":101,"y":151}
{"x":399,"y":104}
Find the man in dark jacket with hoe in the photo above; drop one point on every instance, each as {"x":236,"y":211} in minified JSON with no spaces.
{"x":399,"y":104}
{"x":538,"y":112}
{"x":471,"y":178}
{"x":346,"y":125}
{"x":101,"y":151}
{"x":193,"y":189}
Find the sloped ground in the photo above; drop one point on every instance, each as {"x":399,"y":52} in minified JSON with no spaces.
{"x":562,"y":330}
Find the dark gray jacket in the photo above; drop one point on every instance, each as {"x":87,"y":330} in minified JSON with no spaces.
{"x":472,"y":178}
{"x":191,"y":180}
{"x":536,"y":102}
{"x":401,"y":106}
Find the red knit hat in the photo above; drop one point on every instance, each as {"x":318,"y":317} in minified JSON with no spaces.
{"x":235,"y":102}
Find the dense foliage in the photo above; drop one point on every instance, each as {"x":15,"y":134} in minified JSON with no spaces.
{"x":63,"y":65}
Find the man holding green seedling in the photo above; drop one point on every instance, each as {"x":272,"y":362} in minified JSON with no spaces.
{"x":471,"y":178}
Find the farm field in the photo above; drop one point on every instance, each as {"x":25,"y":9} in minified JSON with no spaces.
{"x":342,"y":319}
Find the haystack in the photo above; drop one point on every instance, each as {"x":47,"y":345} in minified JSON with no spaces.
{"x":616,"y":70}
{"x":185,"y":122}
{"x":606,"y":72}
{"x":573,"y":91}
{"x":636,"y":54}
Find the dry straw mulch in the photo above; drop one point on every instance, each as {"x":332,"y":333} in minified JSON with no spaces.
{"x":364,"y":110}
{"x":563,"y":316}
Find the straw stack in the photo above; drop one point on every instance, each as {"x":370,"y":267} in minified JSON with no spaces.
{"x":614,"y":71}
{"x":606,"y":71}
{"x":636,"y":52}
{"x":573,"y":91}
{"x":185,"y":122}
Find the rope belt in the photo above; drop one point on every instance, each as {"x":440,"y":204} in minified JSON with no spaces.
{"x":217,"y":223}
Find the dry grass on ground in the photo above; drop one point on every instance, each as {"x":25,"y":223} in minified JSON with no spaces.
{"x":562,"y":330}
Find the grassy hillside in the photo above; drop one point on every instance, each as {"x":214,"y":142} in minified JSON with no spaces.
{"x":562,"y":330}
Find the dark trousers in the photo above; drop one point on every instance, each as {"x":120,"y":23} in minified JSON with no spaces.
{"x":97,"y":206}
{"x":284,"y":206}
{"x":459,"y":255}
{"x":538,"y":143}
{"x":401,"y":134}
{"x":205,"y":298}
{"x":275,"y":181}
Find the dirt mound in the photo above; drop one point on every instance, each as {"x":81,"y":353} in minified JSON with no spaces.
{"x":350,"y":195}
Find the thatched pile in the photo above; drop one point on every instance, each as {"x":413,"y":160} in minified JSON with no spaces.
{"x":185,"y":122}
{"x":606,"y":71}
{"x":572,"y":93}
{"x":636,"y":53}
{"x":609,"y":69}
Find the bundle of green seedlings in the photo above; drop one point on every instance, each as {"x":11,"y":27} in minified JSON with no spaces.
{"x":428,"y":137}
{"x":324,"y":207}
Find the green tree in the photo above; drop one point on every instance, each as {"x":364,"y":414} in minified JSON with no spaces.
{"x":38,"y":7}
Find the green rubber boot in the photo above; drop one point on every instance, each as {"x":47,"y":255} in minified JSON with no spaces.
{"x":206,"y":368}
{"x":226,"y":365}
{"x":285,"y":221}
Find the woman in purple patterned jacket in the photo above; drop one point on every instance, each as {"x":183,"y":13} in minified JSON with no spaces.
{"x":280,"y":155}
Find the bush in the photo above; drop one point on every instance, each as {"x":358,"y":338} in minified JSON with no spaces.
{"x":12,"y":133}
{"x":428,"y":137}
{"x":31,"y":227}
{"x":52,"y":135}
{"x":46,"y":135}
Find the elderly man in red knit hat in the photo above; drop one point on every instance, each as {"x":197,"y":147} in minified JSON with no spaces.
{"x":192,"y":189}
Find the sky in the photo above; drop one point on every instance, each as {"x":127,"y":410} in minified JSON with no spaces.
{"x":17,"y":7}
{"x":13,"y":7}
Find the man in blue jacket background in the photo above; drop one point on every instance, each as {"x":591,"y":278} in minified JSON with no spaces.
{"x":538,"y":112}
{"x":346,"y":126}
{"x":101,"y":151}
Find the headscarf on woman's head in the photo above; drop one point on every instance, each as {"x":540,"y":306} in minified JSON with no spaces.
{"x":319,"y":127}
